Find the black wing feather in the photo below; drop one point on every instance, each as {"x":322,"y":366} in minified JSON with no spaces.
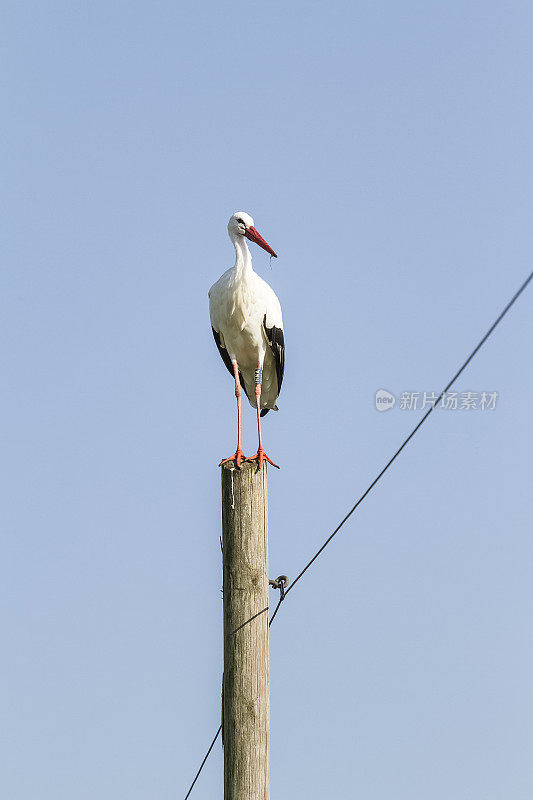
{"x":277,"y":345}
{"x":222,"y":350}
{"x":225,"y":357}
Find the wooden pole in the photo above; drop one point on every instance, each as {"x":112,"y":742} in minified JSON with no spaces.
{"x":246,"y":700}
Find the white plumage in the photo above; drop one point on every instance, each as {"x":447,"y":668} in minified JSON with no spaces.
{"x":247,"y":322}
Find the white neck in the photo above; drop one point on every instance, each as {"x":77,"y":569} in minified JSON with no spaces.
{"x":243,"y":258}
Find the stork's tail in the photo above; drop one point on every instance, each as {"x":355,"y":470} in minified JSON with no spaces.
{"x":266,"y":410}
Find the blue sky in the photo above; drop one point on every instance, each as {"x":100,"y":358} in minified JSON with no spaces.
{"x":384,"y":151}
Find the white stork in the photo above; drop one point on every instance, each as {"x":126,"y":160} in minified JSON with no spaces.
{"x":248,"y":330}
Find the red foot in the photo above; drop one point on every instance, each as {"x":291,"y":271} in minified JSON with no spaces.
{"x":261,"y":456}
{"x":238,"y":458}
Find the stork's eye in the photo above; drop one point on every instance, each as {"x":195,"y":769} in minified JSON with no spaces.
{"x":241,"y":221}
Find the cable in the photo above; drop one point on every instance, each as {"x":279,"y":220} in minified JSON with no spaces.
{"x":406,"y":441}
{"x":271,"y":620}
{"x":203,"y":762}
{"x":378,"y":478}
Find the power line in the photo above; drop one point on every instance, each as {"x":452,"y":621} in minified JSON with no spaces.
{"x":281,"y":599}
{"x":203,"y":762}
{"x":406,"y":441}
{"x":374,"y":482}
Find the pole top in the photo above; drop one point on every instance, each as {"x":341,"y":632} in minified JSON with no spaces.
{"x":246,"y":466}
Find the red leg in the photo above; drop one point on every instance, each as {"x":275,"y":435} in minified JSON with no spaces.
{"x":239,"y":455}
{"x":260,"y":456}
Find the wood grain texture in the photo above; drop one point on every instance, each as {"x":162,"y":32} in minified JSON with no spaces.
{"x":246,"y":701}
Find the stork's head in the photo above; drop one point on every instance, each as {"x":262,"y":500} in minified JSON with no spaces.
{"x":241,"y":224}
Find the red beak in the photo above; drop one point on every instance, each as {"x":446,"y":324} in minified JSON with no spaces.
{"x":255,"y":236}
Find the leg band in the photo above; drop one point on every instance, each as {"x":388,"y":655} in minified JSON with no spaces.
{"x":258,"y":376}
